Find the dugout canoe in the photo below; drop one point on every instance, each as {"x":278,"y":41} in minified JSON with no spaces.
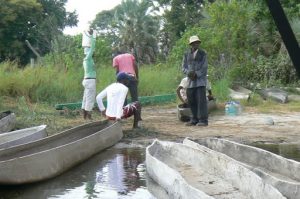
{"x":22,"y":136}
{"x":274,"y":94}
{"x":280,"y":172}
{"x":7,"y":121}
{"x":51,"y":156}
{"x":189,"y":172}
{"x":239,"y":93}
{"x":184,"y":113}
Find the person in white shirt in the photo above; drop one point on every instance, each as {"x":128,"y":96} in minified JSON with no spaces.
{"x":181,"y":91}
{"x":116,"y":94}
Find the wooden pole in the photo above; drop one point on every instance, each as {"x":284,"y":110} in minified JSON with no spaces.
{"x":33,"y":50}
{"x":286,"y":32}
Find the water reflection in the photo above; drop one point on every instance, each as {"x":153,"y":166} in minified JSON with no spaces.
{"x":114,"y":173}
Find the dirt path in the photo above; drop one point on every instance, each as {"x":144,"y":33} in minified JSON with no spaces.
{"x":161,"y":122}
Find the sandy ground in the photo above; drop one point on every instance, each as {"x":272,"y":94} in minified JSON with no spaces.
{"x":251,"y":126}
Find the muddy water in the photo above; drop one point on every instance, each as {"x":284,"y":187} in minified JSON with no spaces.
{"x":115,"y":173}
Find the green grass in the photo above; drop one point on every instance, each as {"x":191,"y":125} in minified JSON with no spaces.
{"x":54,"y":85}
{"x":220,"y":90}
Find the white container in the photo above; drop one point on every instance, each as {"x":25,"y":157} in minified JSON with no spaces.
{"x":86,"y":39}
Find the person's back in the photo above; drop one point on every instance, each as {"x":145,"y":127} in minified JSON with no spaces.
{"x":116,"y":95}
{"x":125,"y":63}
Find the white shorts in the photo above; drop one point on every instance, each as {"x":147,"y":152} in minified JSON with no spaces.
{"x":89,"y":94}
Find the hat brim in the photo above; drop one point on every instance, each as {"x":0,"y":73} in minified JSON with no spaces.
{"x":195,"y":41}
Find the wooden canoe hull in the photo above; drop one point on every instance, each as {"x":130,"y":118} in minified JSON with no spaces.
{"x":7,"y":121}
{"x":198,"y":172}
{"x":274,"y":94}
{"x":239,"y":93}
{"x":48,"y":157}
{"x":280,"y":172}
{"x":22,"y":136}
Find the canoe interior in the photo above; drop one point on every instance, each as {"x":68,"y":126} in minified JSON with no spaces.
{"x":13,"y":135}
{"x":210,"y":174}
{"x":272,"y":164}
{"x":57,"y":140}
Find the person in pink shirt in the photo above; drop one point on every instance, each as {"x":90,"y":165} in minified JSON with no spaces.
{"x":125,"y":62}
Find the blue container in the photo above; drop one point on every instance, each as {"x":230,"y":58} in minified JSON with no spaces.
{"x":232,"y":108}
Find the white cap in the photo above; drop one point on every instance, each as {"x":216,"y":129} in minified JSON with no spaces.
{"x":194,"y":39}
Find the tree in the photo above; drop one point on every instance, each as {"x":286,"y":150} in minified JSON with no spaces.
{"x":38,"y":21}
{"x":178,"y":15}
{"x":15,"y":23}
{"x":133,"y":28}
{"x":105,"y":24}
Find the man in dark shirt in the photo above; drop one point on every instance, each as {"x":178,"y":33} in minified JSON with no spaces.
{"x":194,"y":65}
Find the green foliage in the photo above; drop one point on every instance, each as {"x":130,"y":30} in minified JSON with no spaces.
{"x":239,"y":36}
{"x":255,"y":100}
{"x":38,"y":21}
{"x":178,"y":15}
{"x":131,"y":27}
{"x":220,"y":89}
{"x":15,"y":16}
{"x":239,"y":48}
{"x":38,"y":84}
{"x":54,"y":85}
{"x":67,"y":52}
{"x":155,"y":80}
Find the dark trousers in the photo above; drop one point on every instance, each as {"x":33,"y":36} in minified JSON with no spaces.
{"x":198,"y":104}
{"x":132,"y":86}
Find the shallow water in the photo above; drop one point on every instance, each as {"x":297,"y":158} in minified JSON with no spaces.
{"x":114,"y":173}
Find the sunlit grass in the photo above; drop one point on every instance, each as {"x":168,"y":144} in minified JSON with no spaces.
{"x":50,"y":85}
{"x":55,"y":85}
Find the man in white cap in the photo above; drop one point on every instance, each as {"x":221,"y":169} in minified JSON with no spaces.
{"x":194,"y":65}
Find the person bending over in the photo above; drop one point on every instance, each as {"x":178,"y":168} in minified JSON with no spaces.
{"x":116,"y":94}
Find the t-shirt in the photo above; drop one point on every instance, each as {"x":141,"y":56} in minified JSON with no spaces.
{"x":184,"y":84}
{"x":88,"y":62}
{"x":116,"y":95}
{"x":124,"y":63}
